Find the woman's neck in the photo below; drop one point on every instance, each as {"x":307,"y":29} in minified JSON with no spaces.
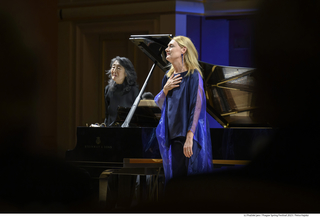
{"x":178,"y":67}
{"x":120,"y":86}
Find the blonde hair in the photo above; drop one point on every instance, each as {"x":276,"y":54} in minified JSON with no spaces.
{"x":190,"y":58}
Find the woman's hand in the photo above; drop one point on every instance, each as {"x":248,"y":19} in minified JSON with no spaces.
{"x":187,"y":148}
{"x":172,"y":82}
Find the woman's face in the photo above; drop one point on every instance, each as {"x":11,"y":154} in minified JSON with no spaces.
{"x":118,"y":73}
{"x":174,"y":51}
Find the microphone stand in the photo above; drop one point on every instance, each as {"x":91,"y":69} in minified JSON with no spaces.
{"x":137,"y":100}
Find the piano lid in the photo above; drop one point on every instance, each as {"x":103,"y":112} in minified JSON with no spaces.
{"x":229,"y":90}
{"x":154,"y":47}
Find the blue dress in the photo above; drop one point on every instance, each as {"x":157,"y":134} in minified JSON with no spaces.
{"x":184,"y":109}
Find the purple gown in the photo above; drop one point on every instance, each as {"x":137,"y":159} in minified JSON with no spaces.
{"x":184,"y":109}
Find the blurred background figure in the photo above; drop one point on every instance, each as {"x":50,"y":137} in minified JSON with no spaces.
{"x":32,"y":179}
{"x":122,"y":88}
{"x":147,"y":95}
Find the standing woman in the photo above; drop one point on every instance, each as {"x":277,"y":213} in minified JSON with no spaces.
{"x":183,"y":132}
{"x":122,"y":88}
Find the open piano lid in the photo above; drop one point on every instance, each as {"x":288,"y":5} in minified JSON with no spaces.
{"x":154,"y":47}
{"x":229,"y":90}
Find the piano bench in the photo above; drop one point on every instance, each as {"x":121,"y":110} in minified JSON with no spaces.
{"x":153,"y":163}
{"x":140,"y":166}
{"x":231,"y":162}
{"x":131,"y":170}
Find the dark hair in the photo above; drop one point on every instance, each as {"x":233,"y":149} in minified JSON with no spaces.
{"x":131,"y":78}
{"x":147,"y":95}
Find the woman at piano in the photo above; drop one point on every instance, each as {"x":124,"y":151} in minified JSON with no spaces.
{"x":183,"y":132}
{"x":122,"y":88}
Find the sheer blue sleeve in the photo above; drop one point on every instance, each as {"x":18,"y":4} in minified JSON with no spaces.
{"x":199,"y":125}
{"x":160,"y":97}
{"x":162,"y":133}
{"x":196,"y":103}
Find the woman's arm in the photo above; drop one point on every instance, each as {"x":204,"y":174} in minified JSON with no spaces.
{"x":195,"y":107}
{"x":159,"y":99}
{"x":161,"y":96}
{"x":171,"y":83}
{"x":196,"y":103}
{"x":187,"y":148}
{"x":167,"y":85}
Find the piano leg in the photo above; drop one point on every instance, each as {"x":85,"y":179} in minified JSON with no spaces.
{"x":103,"y":185}
{"x":148,"y":183}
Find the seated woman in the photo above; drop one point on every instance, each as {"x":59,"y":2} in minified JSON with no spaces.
{"x":122,"y":88}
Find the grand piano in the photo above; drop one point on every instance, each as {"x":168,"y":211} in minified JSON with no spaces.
{"x":230,"y":102}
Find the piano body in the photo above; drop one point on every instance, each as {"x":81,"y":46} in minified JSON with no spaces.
{"x":230,"y":101}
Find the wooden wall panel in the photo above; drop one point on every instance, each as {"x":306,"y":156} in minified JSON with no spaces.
{"x":37,"y":23}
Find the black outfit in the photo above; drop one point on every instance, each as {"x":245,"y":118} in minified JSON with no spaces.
{"x":122,"y":95}
{"x":121,"y":188}
{"x":179,"y":160}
